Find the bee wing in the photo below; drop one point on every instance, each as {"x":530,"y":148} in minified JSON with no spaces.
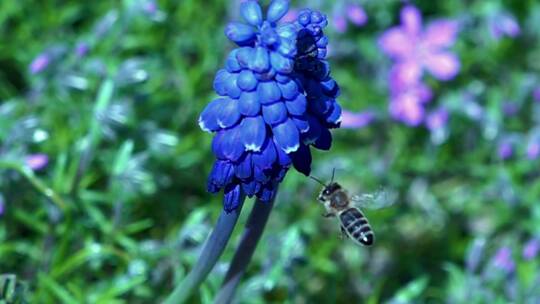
{"x":375,"y":200}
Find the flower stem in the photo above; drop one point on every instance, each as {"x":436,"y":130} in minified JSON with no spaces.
{"x":39,"y":185}
{"x":252,"y":234}
{"x":213,"y":248}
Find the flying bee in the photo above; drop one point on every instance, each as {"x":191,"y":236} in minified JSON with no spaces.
{"x":346,"y":208}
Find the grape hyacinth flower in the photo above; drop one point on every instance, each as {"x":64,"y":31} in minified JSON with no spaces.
{"x":276,"y":100}
{"x":414,"y":51}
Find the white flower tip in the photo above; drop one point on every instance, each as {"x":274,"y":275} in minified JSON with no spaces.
{"x":291,"y":149}
{"x":203,"y":126}
{"x":252,"y":147}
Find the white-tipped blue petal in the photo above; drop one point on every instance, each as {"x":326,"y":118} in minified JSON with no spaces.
{"x":208,"y":120}
{"x":281,"y":64}
{"x":228,"y":114}
{"x":244,"y":168}
{"x":220,"y":81}
{"x":252,"y":13}
{"x":253,"y":133}
{"x":314,"y":131}
{"x":324,"y":141}
{"x":283,"y":158}
{"x":277,"y":9}
{"x":335,"y":115}
{"x":244,"y":56}
{"x":301,"y":123}
{"x":297,"y":106}
{"x":268,"y":92}
{"x":247,"y":81}
{"x":265,"y":158}
{"x":221,"y":175}
{"x":260,"y":63}
{"x":289,"y":90}
{"x":240,"y":33}
{"x":227,"y":144}
{"x":231,"y":86}
{"x":248,"y":104}
{"x":274,"y":113}
{"x":231,"y":64}
{"x":287,"y":136}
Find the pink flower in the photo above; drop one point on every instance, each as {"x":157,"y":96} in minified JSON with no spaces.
{"x":40,"y":63}
{"x":422,"y":49}
{"x":37,"y":161}
{"x":356,"y":120}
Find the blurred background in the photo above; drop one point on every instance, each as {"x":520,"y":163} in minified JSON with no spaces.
{"x":103,"y":166}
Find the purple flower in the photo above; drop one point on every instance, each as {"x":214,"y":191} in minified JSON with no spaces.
{"x":356,"y":120}
{"x":81,"y":49}
{"x":150,"y":7}
{"x":505,"y":149}
{"x":37,"y":161}
{"x":531,"y":249}
{"x":357,"y":14}
{"x":503,"y":25}
{"x":40,"y":63}
{"x":536,"y":94}
{"x":407,"y":102}
{"x":354,"y":12}
{"x":503,"y":259}
{"x":339,"y":22}
{"x":2,"y":205}
{"x":437,"y":119}
{"x":510,"y":108}
{"x":420,"y":49}
{"x":533,"y":150}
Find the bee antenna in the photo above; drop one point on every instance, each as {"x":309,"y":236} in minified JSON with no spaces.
{"x":333,"y":174}
{"x":317,"y":180}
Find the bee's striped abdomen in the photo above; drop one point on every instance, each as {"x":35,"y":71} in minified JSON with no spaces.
{"x":357,"y":226}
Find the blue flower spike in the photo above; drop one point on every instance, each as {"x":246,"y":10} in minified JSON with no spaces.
{"x":277,"y":100}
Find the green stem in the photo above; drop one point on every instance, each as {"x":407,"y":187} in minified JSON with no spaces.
{"x":213,"y":248}
{"x":39,"y":185}
{"x":252,"y":234}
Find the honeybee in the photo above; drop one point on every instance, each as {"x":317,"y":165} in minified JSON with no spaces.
{"x":352,"y":221}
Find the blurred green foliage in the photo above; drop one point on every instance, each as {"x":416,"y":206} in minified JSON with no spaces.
{"x":120,"y":212}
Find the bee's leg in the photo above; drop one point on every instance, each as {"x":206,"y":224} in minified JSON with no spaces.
{"x":328,"y":214}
